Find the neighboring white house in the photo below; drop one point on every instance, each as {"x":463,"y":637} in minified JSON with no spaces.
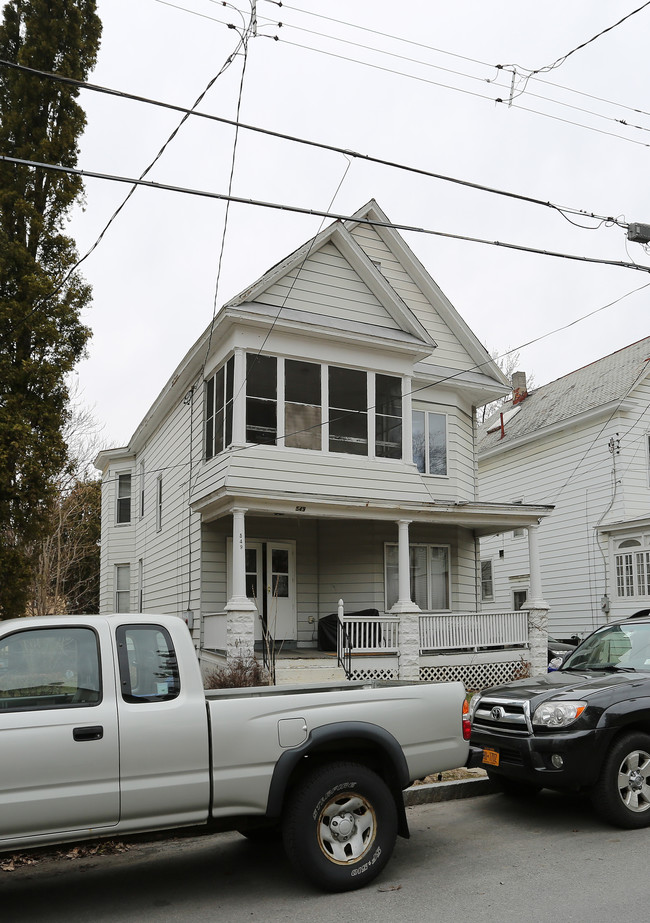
{"x":581,"y":443}
{"x":317,"y":445}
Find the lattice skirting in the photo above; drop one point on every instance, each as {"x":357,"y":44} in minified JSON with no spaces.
{"x":476,"y":675}
{"x":374,"y":673}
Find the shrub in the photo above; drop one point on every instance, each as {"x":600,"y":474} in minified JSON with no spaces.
{"x":237,"y":673}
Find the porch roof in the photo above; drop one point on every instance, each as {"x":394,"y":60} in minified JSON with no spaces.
{"x":481,"y":518}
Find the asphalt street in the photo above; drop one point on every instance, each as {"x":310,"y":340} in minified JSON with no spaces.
{"x":481,"y":858}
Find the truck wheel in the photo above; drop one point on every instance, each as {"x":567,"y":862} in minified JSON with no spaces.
{"x":340,"y":826}
{"x":622,"y":793}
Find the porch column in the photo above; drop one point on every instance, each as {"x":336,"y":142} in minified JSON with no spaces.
{"x":537,"y":608}
{"x":240,"y":631}
{"x":408,"y":611}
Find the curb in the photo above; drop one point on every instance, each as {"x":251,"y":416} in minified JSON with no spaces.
{"x":434,"y":792}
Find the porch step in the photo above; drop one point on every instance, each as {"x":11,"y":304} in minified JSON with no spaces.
{"x":308,"y":670}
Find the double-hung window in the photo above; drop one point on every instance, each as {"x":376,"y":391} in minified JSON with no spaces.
{"x":123,"y":588}
{"x":487,"y":581}
{"x":123,"y":511}
{"x":428,"y":576}
{"x":430,"y":442}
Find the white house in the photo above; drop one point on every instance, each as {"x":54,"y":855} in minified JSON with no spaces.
{"x":314,"y":453}
{"x":581,"y":443}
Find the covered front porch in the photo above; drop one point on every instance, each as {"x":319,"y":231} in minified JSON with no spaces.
{"x":284,"y":567}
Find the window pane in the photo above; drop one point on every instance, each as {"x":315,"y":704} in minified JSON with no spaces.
{"x":418,"y":566}
{"x":437,"y":443}
{"x":388,"y":395}
{"x":303,"y":427}
{"x":148,"y":667}
{"x":643,"y":573}
{"x":419,"y":441}
{"x":392,"y":576}
{"x":439,"y":578}
{"x":124,"y":498}
{"x":261,"y":376}
{"x":230,"y":377}
{"x":261,"y":421}
{"x":486,"y":580}
{"x":49,"y":668}
{"x":349,"y":433}
{"x":302,"y":382}
{"x":348,"y":389}
{"x":388,"y":437}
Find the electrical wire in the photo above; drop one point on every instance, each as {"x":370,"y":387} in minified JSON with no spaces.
{"x":347,"y":152}
{"x":203,"y":193}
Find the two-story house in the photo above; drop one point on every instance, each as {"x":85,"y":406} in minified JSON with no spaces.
{"x":581,"y":443}
{"x":314,"y":454}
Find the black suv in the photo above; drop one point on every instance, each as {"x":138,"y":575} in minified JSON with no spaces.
{"x":584,"y":727}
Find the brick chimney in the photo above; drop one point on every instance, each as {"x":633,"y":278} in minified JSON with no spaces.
{"x":519,"y":389}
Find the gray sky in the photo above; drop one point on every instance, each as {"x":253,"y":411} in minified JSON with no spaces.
{"x":154,"y":273}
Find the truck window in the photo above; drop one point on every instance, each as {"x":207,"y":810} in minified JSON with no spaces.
{"x":148,"y":666}
{"x":49,"y":668}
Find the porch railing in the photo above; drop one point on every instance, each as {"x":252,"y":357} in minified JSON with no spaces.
{"x":473,"y":630}
{"x":368,"y":634}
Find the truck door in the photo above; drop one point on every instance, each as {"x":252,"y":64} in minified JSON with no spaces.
{"x":59,"y":768}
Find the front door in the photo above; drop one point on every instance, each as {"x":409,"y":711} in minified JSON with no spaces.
{"x":280,"y":588}
{"x":271,"y":585}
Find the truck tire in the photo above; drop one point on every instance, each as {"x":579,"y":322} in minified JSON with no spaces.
{"x":622,"y":793}
{"x":340,"y":826}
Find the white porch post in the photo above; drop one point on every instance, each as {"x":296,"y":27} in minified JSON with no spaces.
{"x":240,"y":632}
{"x":537,"y":608}
{"x":408,"y":611}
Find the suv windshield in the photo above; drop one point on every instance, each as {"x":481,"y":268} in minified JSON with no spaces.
{"x":614,"y":647}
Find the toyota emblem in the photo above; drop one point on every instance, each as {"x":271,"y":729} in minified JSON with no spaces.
{"x":497,"y":713}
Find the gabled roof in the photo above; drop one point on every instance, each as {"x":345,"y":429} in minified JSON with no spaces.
{"x":601,"y":386}
{"x":339,"y":235}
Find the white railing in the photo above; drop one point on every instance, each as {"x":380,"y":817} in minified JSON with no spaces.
{"x":473,"y":630}
{"x":367,"y":635}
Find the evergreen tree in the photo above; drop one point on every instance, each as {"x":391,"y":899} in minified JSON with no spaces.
{"x":41,"y":334}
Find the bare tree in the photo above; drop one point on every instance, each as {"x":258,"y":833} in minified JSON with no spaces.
{"x":509,"y":363}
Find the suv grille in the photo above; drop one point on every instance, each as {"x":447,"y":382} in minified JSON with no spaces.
{"x":505,"y":715}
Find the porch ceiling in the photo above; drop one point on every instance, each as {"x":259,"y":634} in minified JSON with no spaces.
{"x":481,"y":518}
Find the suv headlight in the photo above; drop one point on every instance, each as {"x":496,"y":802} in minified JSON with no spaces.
{"x":557,"y":714}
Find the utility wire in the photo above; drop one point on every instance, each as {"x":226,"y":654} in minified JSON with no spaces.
{"x":347,"y":152}
{"x":322,"y":214}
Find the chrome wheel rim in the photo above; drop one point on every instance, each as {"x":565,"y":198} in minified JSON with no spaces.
{"x":633,"y":781}
{"x":346,"y":828}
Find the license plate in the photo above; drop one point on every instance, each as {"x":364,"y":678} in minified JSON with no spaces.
{"x":491,"y":757}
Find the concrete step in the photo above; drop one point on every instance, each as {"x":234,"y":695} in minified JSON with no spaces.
{"x":308,"y":670}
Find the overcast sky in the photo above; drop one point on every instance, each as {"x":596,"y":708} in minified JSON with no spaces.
{"x":427,"y":101}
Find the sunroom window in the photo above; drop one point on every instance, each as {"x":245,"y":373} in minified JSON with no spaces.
{"x":218,"y":409}
{"x":348,"y":411}
{"x":302,"y":405}
{"x":632,"y":569}
{"x":261,"y":399}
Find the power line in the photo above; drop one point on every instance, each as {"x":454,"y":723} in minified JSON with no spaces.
{"x":564,"y":210}
{"x":314,"y":212}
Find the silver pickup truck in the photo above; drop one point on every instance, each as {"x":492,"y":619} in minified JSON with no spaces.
{"x":106,"y":729}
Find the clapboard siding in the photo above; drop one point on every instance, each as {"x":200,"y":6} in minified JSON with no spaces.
{"x":449,"y":352}
{"x":330,"y":285}
{"x":573,"y":470}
